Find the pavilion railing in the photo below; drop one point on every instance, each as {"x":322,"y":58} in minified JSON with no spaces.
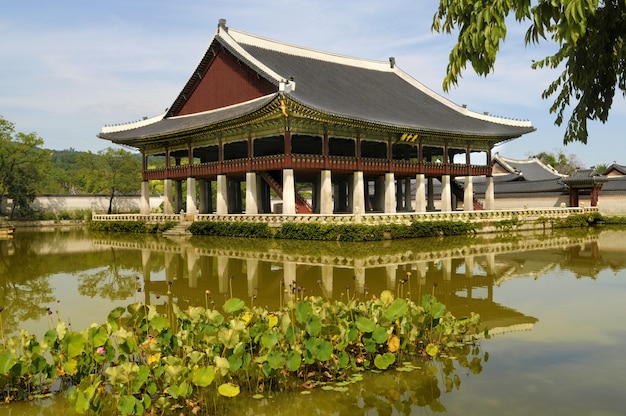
{"x":526,"y":216}
{"x":314,"y":162}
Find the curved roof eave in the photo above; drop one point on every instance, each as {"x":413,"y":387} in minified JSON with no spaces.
{"x":169,"y":127}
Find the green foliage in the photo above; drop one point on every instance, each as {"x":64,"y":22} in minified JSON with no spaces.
{"x":131,"y":226}
{"x":579,"y":220}
{"x":333,"y":232}
{"x":507,"y":225}
{"x":591,"y":45}
{"x":614,"y":219}
{"x":231,"y":229}
{"x":22,"y":166}
{"x":560,"y":162}
{"x":141,"y":361}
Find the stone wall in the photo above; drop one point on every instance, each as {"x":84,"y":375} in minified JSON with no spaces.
{"x":93,"y":203}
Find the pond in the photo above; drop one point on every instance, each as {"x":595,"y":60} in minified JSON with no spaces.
{"x":554,"y":303}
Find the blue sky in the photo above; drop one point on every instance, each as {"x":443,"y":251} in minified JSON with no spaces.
{"x":70,"y":67}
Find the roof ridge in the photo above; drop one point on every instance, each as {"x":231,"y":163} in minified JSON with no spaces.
{"x":223,"y":33}
{"x":296,"y":50}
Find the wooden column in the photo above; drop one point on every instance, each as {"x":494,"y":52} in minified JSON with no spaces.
{"x":287,"y":139}
{"x":325,"y":150}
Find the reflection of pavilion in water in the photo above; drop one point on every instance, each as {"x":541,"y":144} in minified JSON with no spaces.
{"x":463,"y":277}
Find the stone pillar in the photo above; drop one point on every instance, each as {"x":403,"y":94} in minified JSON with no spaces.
{"x":349,"y":195}
{"x":202,"y":203}
{"x":469,"y":265}
{"x":192,"y":269}
{"x":252,"y":275}
{"x":407,"y":195}
{"x":179,"y":196}
{"x":191,"y":197}
{"x":379,"y":194}
{"x":390,"y":195}
{"x":446,"y":268}
{"x":222,"y":195}
{"x":326,"y":193}
{"x":358,"y":193}
{"x":289,"y":192}
{"x":222,"y":274}
{"x":145,"y":263}
{"x":399,"y":195}
{"x":252,"y":207}
{"x":145,"y":198}
{"x":446,"y":195}
{"x":169,"y":266}
{"x":168,"y":207}
{"x":468,"y":194}
{"x":431,"y":195}
{"x":421,"y":268}
{"x":420,"y":193}
{"x":327,"y":279}
{"x":359,"y":275}
{"x":490,"y":261}
{"x":289,"y":275}
{"x":489,"y":194}
{"x":390,"y":275}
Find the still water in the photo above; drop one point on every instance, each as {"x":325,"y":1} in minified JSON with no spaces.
{"x":555,"y":304}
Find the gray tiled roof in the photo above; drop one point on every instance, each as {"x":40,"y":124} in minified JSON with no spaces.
{"x":358,"y":89}
{"x":171,"y":125}
{"x":619,"y":168}
{"x":373,"y":95}
{"x":529,"y":170}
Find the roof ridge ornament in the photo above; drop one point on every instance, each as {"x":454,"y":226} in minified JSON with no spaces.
{"x":221,"y":24}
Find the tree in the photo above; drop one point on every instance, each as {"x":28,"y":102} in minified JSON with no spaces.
{"x":22,"y":166}
{"x":112,"y":171}
{"x":590,"y":34}
{"x":560,"y":161}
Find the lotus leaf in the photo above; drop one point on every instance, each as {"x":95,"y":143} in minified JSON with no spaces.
{"x":325,"y":351}
{"x":303,"y":311}
{"x":276,"y":360}
{"x":223,"y":365}
{"x":228,"y":390}
{"x":313,"y":325}
{"x":396,"y":309}
{"x":233,"y":305}
{"x":235,"y":363}
{"x":380,"y":335}
{"x":432,"y":349}
{"x":98,"y":336}
{"x":203,"y":376}
{"x":294,"y":359}
{"x":7,"y":360}
{"x":383,"y":361}
{"x":228,"y":337}
{"x":365,"y":325}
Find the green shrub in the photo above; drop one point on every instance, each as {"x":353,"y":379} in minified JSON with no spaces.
{"x":231,"y":229}
{"x":139,"y":227}
{"x":578,"y":220}
{"x":333,"y":232}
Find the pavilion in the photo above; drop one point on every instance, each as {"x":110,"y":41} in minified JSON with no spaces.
{"x":258,"y":115}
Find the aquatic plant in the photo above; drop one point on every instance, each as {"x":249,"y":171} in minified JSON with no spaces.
{"x":143,"y":360}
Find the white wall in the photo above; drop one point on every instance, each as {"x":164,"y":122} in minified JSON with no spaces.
{"x":94,"y":203}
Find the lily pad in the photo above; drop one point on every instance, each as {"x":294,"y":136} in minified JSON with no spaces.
{"x":383,"y":361}
{"x":233,"y":305}
{"x":229,"y":390}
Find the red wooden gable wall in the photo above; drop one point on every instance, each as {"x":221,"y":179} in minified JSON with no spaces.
{"x":226,"y":82}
